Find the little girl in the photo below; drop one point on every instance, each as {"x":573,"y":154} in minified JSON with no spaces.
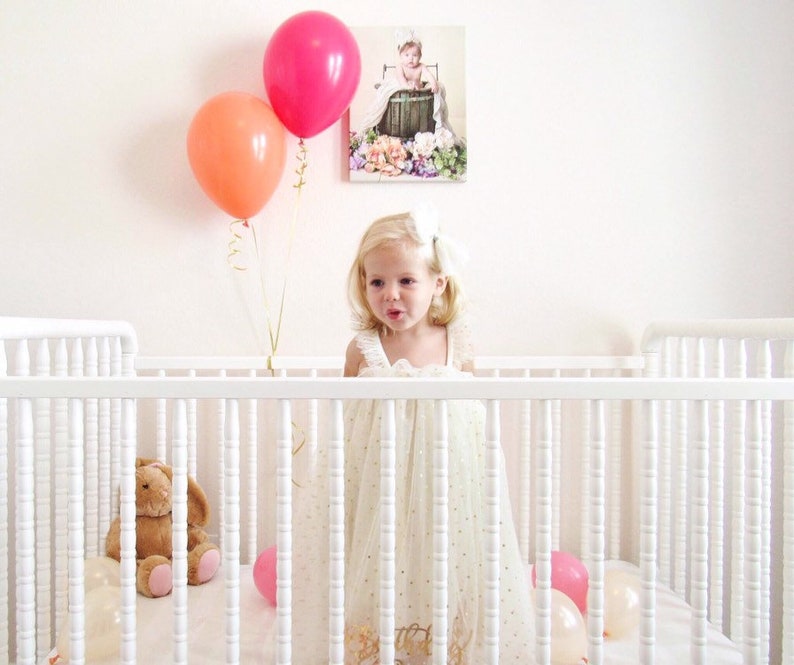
{"x":407,"y":301}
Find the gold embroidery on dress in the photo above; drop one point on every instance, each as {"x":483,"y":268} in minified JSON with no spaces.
{"x":413,"y":645}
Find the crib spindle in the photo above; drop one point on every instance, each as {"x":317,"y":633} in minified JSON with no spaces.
{"x":649,"y":506}
{"x":681,"y":451}
{"x":231,"y":554}
{"x":252,"y":466}
{"x":284,"y":532}
{"x":543,"y":543}
{"x":179,"y":531}
{"x":584,"y":479}
{"x":440,"y":532}
{"x":76,"y":533}
{"x":765,"y":371}
{"x":525,"y":475}
{"x":387,"y":530}
{"x":665,"y":479}
{"x":336,"y":468}
{"x":615,"y":475}
{"x":752,"y":558}
{"x":4,"y":582}
{"x":60,"y":461}
{"x":43,"y":507}
{"x":492,"y":530}
{"x":127,"y":512}
{"x":787,"y":646}
{"x":595,"y":596}
{"x":717,"y":495}
{"x":739,"y":444}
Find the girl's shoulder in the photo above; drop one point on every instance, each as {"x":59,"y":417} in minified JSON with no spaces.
{"x":459,"y":336}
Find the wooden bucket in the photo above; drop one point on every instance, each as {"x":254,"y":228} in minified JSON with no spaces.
{"x":408,"y":112}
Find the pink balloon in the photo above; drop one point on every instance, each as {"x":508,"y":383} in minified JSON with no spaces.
{"x":312,"y":68}
{"x":265,"y":574}
{"x":569,"y":575}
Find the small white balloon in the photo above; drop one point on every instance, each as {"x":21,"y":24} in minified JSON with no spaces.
{"x":568,"y":631}
{"x":621,"y":602}
{"x":102,"y":625}
{"x":101,"y":571}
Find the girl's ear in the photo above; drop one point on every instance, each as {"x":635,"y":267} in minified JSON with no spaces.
{"x":441,"y":284}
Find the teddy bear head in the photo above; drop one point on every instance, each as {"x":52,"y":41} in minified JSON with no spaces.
{"x":153,"y":493}
{"x":152,"y":490}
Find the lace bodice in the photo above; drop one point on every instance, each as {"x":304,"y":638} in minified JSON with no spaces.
{"x":458,"y":355}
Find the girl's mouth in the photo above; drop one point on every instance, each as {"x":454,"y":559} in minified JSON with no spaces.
{"x":394,"y":314}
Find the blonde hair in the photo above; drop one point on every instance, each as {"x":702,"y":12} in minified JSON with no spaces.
{"x":401,"y":229}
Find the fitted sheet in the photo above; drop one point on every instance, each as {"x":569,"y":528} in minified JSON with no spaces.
{"x":207,"y":642}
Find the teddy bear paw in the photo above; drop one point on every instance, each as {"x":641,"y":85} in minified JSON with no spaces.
{"x":160,"y":580}
{"x":208,"y":565}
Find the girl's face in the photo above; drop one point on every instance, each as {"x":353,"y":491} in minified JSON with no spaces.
{"x":400,"y":286}
{"x":410,"y":56}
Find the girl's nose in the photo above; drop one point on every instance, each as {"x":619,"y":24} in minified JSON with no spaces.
{"x":392,"y":293}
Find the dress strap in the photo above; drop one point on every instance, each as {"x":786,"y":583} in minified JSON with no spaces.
{"x":368,"y":342}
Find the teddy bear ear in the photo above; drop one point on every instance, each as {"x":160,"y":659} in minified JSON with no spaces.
{"x":198,"y":506}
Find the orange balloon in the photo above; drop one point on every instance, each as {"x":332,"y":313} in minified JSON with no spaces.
{"x":237,"y":149}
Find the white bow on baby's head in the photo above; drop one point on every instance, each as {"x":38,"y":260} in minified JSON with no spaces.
{"x":407,"y":36}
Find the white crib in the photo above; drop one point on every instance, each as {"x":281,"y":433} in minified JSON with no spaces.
{"x":678,"y":463}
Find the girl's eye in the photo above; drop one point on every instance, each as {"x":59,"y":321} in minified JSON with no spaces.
{"x":376,"y":283}
{"x":406,"y":281}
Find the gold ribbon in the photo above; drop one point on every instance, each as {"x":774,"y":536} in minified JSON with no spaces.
{"x":273,"y":325}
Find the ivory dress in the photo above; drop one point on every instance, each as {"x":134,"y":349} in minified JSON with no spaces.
{"x":414,"y":528}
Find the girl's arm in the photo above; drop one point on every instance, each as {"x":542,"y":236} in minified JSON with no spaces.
{"x":353,"y":359}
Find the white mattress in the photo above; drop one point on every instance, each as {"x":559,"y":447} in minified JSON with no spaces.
{"x":207,"y":644}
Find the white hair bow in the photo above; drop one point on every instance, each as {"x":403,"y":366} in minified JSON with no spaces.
{"x":451,"y":254}
{"x":405,"y":37}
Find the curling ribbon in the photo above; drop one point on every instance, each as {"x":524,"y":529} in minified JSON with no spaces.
{"x":233,"y":244}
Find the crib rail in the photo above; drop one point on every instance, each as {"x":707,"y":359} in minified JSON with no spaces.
{"x":708,"y":398}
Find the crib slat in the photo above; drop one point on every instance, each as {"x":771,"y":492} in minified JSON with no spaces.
{"x":43,"y":475}
{"x":717,"y":496}
{"x":681,"y":452}
{"x":543,"y":545}
{"x":76,"y":532}
{"x":179,"y":531}
{"x":252,"y":466}
{"x":284,"y":532}
{"x":765,"y":371}
{"x":4,"y":560}
{"x":492,"y":530}
{"x":336,"y":470}
{"x":752,"y":556}
{"x":387,"y":530}
{"x":649,"y":506}
{"x":440,"y":531}
{"x":739,"y":445}
{"x":232,"y":531}
{"x":525,"y":475}
{"x":787,"y":646}
{"x":595,"y":596}
{"x":127,"y":537}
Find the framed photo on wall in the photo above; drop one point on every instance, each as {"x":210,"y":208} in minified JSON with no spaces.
{"x":408,"y":117}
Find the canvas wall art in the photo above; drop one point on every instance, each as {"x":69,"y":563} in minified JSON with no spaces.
{"x":408,"y":117}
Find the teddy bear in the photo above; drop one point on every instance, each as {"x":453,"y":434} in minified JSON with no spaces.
{"x":153,"y":498}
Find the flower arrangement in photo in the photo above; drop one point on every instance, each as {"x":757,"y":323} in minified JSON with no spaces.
{"x":426,"y":155}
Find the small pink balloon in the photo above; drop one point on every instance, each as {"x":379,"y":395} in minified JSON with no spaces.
{"x":569,"y":575}
{"x":265,"y":574}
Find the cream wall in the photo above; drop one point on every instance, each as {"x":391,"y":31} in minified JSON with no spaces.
{"x":629,"y":161}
